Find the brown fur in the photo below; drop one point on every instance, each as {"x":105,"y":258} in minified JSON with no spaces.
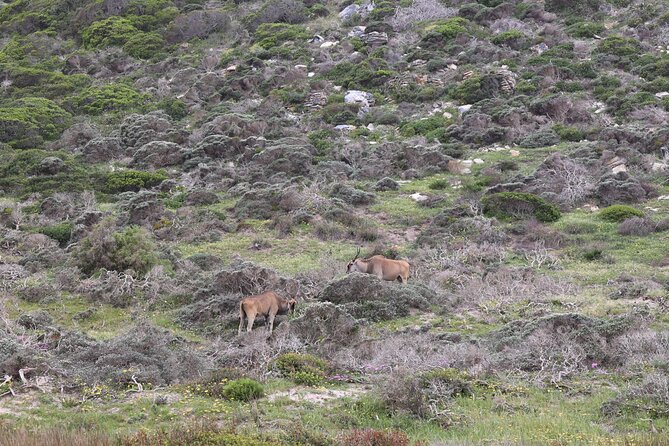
{"x":385,"y":269}
{"x":267,"y":304}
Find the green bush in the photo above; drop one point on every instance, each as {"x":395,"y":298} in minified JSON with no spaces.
{"x":175,"y":108}
{"x":26,"y":122}
{"x":568,"y":133}
{"x":619,"y":212}
{"x":133,"y":180}
{"x":270,"y":35}
{"x":469,"y":91}
{"x":519,"y":205}
{"x":301,"y":368}
{"x":112,"y":31}
{"x":105,"y":98}
{"x":585,"y":29}
{"x":432,"y":127}
{"x":438,"y":184}
{"x":131,"y":248}
{"x":144,"y":45}
{"x":620,"y":46}
{"x":340,"y":113}
{"x":449,"y":29}
{"x":368,"y":73}
{"x":508,"y":37}
{"x":61,"y":232}
{"x":244,"y":389}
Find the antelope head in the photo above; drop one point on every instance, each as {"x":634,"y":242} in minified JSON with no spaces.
{"x":351,"y":267}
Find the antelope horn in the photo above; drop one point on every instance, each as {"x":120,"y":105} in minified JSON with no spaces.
{"x":356,"y":254}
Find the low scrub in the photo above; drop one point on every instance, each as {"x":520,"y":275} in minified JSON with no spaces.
{"x":519,"y":205}
{"x":301,"y":368}
{"x":618,"y":213}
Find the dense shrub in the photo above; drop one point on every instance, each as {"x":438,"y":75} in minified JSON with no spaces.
{"x":144,"y":45}
{"x":131,"y":248}
{"x":107,"y":32}
{"x":510,"y":205}
{"x":368,"y":73}
{"x":132,"y":180}
{"x":111,"y":97}
{"x":619,"y":212}
{"x":301,"y":368}
{"x":433,"y":127}
{"x":585,"y":29}
{"x":26,"y":122}
{"x":243,"y":389}
{"x":61,"y":232}
{"x":469,"y":91}
{"x":269,"y":35}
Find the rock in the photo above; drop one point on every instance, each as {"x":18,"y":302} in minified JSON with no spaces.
{"x":329,"y":44}
{"x":364,"y":99}
{"x":452,"y":66}
{"x":316,"y":39}
{"x":345,"y":127}
{"x":385,"y":184}
{"x":231,"y":68}
{"x":357,"y":31}
{"x":514,"y":152}
{"x":478,"y":161}
{"x":419,"y":197}
{"x":311,"y":74}
{"x":619,"y":168}
{"x":464,"y":108}
{"x":375,"y":38}
{"x":348,"y":12}
{"x":663,"y":197}
{"x":659,"y":167}
{"x":447,"y":115}
{"x":662,"y":94}
{"x":301,"y":67}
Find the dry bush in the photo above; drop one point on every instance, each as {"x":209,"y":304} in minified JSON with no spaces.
{"x":374,"y":437}
{"x":639,"y":226}
{"x":562,"y":180}
{"x":538,"y":256}
{"x":411,"y":351}
{"x":505,"y":286}
{"x":197,"y":23}
{"x":255,"y":352}
{"x":420,"y":10}
{"x":53,"y":437}
{"x":642,"y":347}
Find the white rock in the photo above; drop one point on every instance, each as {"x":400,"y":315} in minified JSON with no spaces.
{"x":448,"y":115}
{"x":619,"y":168}
{"x":231,"y":68}
{"x":651,"y":209}
{"x":478,"y":161}
{"x":357,"y":31}
{"x":452,"y":66}
{"x":662,"y":94}
{"x":345,"y":127}
{"x":311,"y":74}
{"x":348,"y":11}
{"x":301,"y":67}
{"x":359,"y":97}
{"x":514,"y":152}
{"x":467,"y":163}
{"x":329,"y":44}
{"x":419,"y":197}
{"x":462,"y":109}
{"x":657,"y":167}
{"x":663,"y":197}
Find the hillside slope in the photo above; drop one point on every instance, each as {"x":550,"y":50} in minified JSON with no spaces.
{"x":161,"y":159}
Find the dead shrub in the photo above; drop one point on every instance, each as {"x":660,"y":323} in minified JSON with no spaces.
{"x":375,"y":437}
{"x":638,"y":226}
{"x":198,"y":23}
{"x":407,"y":17}
{"x":53,"y":437}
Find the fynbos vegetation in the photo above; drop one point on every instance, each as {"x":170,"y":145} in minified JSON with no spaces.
{"x":320,"y":222}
